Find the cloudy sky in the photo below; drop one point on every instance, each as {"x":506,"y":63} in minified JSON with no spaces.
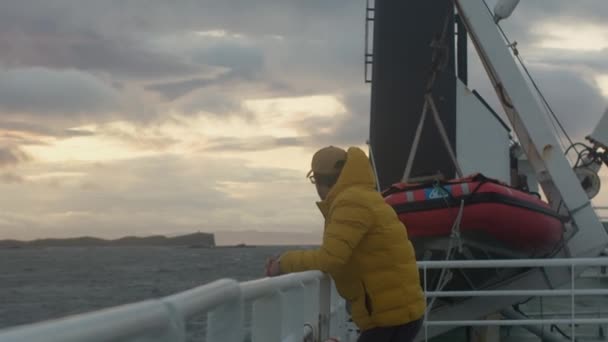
{"x":154,"y":117}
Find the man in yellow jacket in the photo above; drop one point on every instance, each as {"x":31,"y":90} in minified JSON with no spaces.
{"x":365,"y":249}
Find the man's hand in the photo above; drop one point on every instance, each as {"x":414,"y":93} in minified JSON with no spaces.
{"x":273,"y":267}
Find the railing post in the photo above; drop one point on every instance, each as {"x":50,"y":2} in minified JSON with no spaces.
{"x":572,"y":307}
{"x":310,"y":308}
{"x":225,"y":323}
{"x":266,"y":320}
{"x":337,"y":315}
{"x":176,"y":329}
{"x":426,"y":312}
{"x":292,"y":301}
{"x":324,"y":307}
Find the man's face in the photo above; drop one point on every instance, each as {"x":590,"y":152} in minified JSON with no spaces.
{"x":322,"y":190}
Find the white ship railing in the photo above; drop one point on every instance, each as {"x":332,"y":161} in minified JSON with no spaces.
{"x":294,"y":307}
{"x":533,"y":324}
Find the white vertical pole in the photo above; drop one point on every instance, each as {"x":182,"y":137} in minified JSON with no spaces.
{"x":225,"y":323}
{"x":292,"y":303}
{"x":426,"y":312}
{"x":310,"y":307}
{"x":572,"y":314}
{"x":324,"y":307}
{"x":337,"y":312}
{"x":266,"y":320}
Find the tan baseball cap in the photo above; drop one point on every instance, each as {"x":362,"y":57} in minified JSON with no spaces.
{"x":327,"y":161}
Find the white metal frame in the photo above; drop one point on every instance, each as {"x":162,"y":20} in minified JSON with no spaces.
{"x":553,"y":171}
{"x":600,"y":133}
{"x":490,"y":295}
{"x":589,"y":237}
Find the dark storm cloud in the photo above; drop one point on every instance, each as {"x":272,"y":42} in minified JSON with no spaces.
{"x":242,"y":64}
{"x":354,"y":128}
{"x":350,"y":128}
{"x":174,"y":90}
{"x":113,"y":36}
{"x":54,"y":93}
{"x":282,"y":47}
{"x":289,"y":48}
{"x":11,"y":178}
{"x":253,"y":144}
{"x":12,"y":156}
{"x":241,"y":59}
{"x":120,"y":57}
{"x":594,"y":60}
{"x":577,"y":100}
{"x":96,"y":36}
{"x":565,"y":76}
{"x":15,"y":129}
{"x":574,"y":96}
{"x":69,"y":62}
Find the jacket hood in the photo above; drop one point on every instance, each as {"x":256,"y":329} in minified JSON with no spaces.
{"x":357,"y":171}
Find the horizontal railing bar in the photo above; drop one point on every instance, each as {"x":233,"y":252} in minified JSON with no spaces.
{"x":204,"y":298}
{"x":263,"y":287}
{"x":125,"y":321}
{"x":512,"y":322}
{"x":105,"y":325}
{"x":508,"y":293}
{"x":155,"y":315}
{"x":568,"y":313}
{"x":563,"y":262}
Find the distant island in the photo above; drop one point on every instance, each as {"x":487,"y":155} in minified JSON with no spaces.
{"x":198,"y":240}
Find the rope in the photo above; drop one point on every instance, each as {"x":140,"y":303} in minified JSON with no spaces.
{"x":446,"y":275}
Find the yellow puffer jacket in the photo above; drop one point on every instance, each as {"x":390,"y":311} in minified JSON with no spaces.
{"x":365,"y":250}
